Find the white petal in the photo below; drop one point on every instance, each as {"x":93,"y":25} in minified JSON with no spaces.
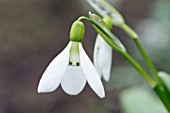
{"x":102,"y":56}
{"x":95,"y":56}
{"x":105,"y":60}
{"x":91,"y":74}
{"x":74,"y":80}
{"x":106,"y":71}
{"x":52,"y":76}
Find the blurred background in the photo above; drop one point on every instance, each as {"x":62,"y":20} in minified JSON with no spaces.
{"x":33,"y":32}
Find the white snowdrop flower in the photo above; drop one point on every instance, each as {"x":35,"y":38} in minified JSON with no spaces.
{"x":72,"y":68}
{"x":102,"y":58}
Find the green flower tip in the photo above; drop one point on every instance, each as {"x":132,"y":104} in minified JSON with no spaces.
{"x":108,"y":22}
{"x":77,"y":31}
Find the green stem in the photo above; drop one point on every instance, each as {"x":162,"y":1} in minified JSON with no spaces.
{"x":142,"y":51}
{"x":161,"y":90}
{"x":129,"y":31}
{"x":148,"y":61}
{"x":107,"y":38}
{"x":139,"y":69}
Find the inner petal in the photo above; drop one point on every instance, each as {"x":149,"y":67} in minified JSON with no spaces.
{"x":74,"y":80}
{"x":74,"y":58}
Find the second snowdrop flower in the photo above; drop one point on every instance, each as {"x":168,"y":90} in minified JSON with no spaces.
{"x":72,"y":68}
{"x":102,"y":55}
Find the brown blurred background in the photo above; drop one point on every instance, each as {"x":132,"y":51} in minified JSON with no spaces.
{"x":32,"y":33}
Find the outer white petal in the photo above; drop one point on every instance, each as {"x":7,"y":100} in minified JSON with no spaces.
{"x":105,"y":60}
{"x":106,"y":71}
{"x":74,"y":80}
{"x":95,"y":56}
{"x":91,"y":73}
{"x":53,"y":75}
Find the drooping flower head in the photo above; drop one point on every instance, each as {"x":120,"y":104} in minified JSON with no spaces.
{"x":72,"y":68}
{"x":102,"y":56}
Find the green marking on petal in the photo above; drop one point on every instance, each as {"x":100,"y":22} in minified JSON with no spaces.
{"x":74,"y":58}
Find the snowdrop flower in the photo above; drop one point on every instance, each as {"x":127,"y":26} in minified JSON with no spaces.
{"x":72,"y":68}
{"x":102,"y":56}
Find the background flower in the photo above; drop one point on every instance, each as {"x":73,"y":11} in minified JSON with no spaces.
{"x":102,"y":57}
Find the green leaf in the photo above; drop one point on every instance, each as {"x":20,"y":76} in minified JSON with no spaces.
{"x":139,"y":100}
{"x":105,"y":9}
{"x":107,"y":35}
{"x":165,"y":77}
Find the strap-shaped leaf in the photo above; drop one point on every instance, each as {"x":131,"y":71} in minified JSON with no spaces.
{"x":105,"y":9}
{"x":107,"y":35}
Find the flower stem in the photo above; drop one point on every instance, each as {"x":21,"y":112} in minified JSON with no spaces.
{"x":129,"y":31}
{"x":160,"y":89}
{"x":107,"y":38}
{"x":139,"y":69}
{"x":148,"y":61}
{"x":142,"y":51}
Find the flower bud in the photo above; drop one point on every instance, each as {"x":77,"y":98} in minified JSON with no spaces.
{"x":77,"y":31}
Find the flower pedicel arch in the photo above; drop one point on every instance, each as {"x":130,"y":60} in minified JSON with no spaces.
{"x":72,"y":68}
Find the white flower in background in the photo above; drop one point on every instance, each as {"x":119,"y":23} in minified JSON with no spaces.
{"x":102,"y":58}
{"x":102,"y":55}
{"x":72,"y":68}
